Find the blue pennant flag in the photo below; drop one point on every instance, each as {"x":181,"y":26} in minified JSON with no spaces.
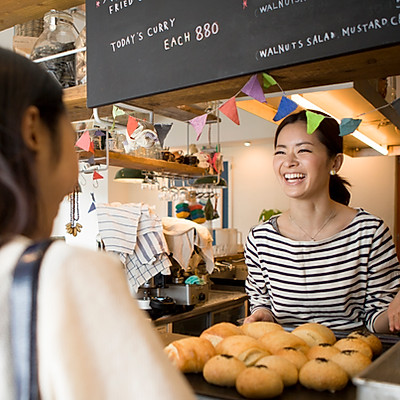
{"x":92,"y":208}
{"x":99,"y":133}
{"x":348,"y":125}
{"x":286,"y":106}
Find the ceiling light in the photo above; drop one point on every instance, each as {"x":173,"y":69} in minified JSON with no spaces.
{"x":210,"y":181}
{"x":129,"y":175}
{"x":247,"y":144}
{"x":301,"y":101}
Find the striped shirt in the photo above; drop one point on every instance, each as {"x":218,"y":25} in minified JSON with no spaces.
{"x":343,"y":281}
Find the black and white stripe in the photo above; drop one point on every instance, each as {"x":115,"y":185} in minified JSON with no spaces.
{"x":343,"y":281}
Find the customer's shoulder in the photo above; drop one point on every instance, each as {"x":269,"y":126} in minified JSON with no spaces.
{"x":77,"y":257}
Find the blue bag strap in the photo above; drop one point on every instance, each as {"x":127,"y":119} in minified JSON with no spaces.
{"x":23,"y":300}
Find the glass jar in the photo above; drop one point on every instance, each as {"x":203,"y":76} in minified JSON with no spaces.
{"x":59,"y":35}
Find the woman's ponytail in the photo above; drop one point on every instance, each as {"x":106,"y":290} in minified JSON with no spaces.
{"x":338,"y":190}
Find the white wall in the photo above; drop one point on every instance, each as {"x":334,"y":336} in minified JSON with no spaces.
{"x":87,"y":237}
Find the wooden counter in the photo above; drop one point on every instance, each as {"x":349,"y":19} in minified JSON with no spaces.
{"x":215,"y":309}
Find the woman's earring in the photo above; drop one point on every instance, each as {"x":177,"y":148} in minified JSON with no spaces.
{"x":332,"y":172}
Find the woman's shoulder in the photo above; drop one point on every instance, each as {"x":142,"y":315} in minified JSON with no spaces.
{"x":365,"y":217}
{"x":69,"y":260}
{"x":265,"y":228}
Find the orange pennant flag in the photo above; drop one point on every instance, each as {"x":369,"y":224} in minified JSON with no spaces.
{"x":132,"y":125}
{"x":96,"y":175}
{"x":230,"y":110}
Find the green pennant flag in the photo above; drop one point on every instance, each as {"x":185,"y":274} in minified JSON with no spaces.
{"x":313,"y":121}
{"x":117,"y":111}
{"x":268,"y":80}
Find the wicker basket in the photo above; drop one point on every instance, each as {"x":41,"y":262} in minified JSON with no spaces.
{"x":31,"y":28}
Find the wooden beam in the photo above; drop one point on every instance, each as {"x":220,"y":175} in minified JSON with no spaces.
{"x":378,"y":63}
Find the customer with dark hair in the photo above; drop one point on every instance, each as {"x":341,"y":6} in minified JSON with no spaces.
{"x":321,"y":260}
{"x":93,"y":342}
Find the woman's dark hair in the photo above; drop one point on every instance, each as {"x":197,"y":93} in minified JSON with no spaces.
{"x":23,"y":84}
{"x":328,"y":134}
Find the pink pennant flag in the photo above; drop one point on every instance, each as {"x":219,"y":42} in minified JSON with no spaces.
{"x":84,"y":141}
{"x":230,"y":110}
{"x":132,"y":125}
{"x":96,"y":175}
{"x":253,"y":89}
{"x":198,"y":124}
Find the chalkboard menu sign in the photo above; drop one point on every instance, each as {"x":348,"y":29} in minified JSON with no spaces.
{"x":142,"y":47}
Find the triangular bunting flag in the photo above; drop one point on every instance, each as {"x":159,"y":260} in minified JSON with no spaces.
{"x":313,"y":121}
{"x":117,"y":111}
{"x":198,"y":124}
{"x":92,"y":208}
{"x":92,"y":196}
{"x":91,"y":160}
{"x":286,"y":106}
{"x":132,"y":125}
{"x":91,"y":147}
{"x":230,"y":110}
{"x":396,"y":105}
{"x":99,"y":133}
{"x":348,"y":125}
{"x":253,"y":89}
{"x":268,"y":80}
{"x":162,"y":132}
{"x":84,"y":141}
{"x":96,"y":175}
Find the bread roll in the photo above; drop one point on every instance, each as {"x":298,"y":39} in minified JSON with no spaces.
{"x":260,"y":328}
{"x":190,"y":354}
{"x":245,"y":348}
{"x":322,"y":374}
{"x":259,"y":382}
{"x":353,"y":343}
{"x":220,"y":331}
{"x":372,"y":340}
{"x":351,"y":361}
{"x":296,"y":356}
{"x":222,"y":370}
{"x":285,"y":368}
{"x":322,"y":350}
{"x":313,"y":334}
{"x":276,"y":340}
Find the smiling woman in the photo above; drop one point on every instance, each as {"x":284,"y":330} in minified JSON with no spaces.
{"x":321,"y":260}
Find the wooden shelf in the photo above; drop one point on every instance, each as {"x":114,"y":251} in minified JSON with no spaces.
{"x":13,"y":12}
{"x":149,"y":164}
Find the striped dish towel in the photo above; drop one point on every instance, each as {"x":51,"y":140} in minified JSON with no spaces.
{"x":135,"y":232}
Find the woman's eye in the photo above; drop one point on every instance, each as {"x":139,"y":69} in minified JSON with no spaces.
{"x":304,"y":151}
{"x":278,"y":153}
